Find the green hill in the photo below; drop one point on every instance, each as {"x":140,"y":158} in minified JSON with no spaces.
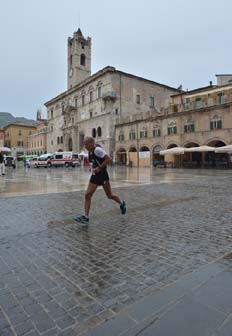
{"x":7,"y":118}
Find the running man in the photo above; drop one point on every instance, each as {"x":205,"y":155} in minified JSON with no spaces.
{"x":99,"y":159}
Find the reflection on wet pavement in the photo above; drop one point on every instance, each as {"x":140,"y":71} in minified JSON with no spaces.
{"x":32,"y":181}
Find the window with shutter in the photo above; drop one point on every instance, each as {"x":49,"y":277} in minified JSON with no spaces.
{"x":198,"y":103}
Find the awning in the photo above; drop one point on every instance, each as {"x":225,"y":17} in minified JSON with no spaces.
{"x":224,"y":149}
{"x":174,"y":150}
{"x":200,"y":149}
{"x":182,"y":150}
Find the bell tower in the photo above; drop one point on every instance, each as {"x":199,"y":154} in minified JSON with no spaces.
{"x":79,"y":58}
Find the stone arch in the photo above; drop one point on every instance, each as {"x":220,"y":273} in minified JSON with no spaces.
{"x":121,"y":156}
{"x":189,"y":144}
{"x":132,"y":149}
{"x":171,"y":123}
{"x":132,"y":156}
{"x":157,"y":159}
{"x":216,"y":142}
{"x":172,"y":145}
{"x":144,"y":156}
{"x":156,"y":148}
{"x":144,"y":149}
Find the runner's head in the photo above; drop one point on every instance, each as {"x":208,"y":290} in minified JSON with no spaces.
{"x":89,"y":143}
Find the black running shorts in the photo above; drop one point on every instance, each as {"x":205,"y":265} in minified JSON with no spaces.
{"x":100,"y":178}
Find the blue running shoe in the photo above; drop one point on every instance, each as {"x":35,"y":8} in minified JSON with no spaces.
{"x":82,"y":220}
{"x":123,"y":207}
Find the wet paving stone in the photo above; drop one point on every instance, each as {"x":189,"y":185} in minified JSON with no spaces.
{"x":57,"y":277}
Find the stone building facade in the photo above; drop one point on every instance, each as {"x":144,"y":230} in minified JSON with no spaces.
{"x":37,"y":142}
{"x":94,"y":104}
{"x":16,"y":137}
{"x":198,"y":117}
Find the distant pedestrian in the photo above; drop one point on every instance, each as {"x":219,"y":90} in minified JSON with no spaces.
{"x":99,"y":159}
{"x":2,"y":164}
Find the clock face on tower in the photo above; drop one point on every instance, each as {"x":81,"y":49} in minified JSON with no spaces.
{"x":71,"y":72}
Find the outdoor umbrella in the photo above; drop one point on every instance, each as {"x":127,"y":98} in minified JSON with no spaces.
{"x":174,"y":150}
{"x":223,"y":149}
{"x":5,"y":149}
{"x":200,"y":149}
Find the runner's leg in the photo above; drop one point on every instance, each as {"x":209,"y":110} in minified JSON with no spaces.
{"x":107,"y":189}
{"x":88,"y":195}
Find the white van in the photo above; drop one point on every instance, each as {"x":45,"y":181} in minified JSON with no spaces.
{"x":64,"y":159}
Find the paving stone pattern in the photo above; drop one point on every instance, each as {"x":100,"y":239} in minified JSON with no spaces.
{"x":57,"y":278}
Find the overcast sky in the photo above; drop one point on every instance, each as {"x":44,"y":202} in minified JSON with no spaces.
{"x":172,"y":42}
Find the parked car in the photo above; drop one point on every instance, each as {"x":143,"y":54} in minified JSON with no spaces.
{"x":41,"y":161}
{"x":31,"y":162}
{"x":10,"y":161}
{"x":27,"y":159}
{"x":64,"y":159}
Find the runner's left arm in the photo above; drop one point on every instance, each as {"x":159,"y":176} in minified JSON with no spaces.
{"x":107,"y":160}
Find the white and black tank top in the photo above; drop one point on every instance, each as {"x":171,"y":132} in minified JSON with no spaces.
{"x":97,"y":156}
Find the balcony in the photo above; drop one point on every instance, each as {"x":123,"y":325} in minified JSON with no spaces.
{"x":68,"y":109}
{"x":110,"y":95}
